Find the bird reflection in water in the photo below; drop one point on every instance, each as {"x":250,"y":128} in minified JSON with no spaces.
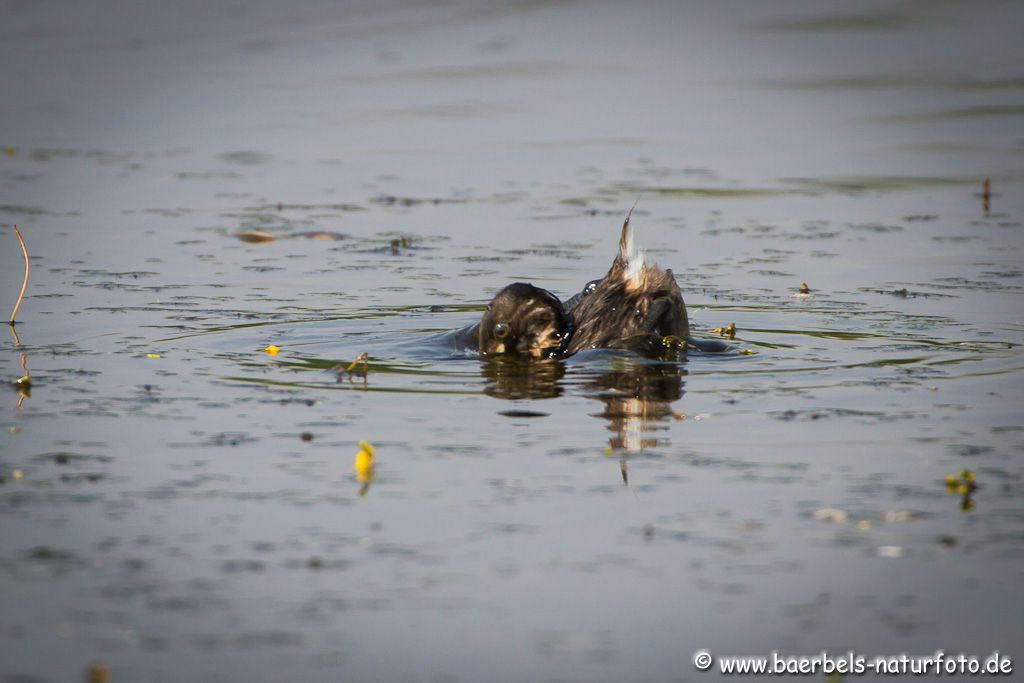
{"x":637,"y":395}
{"x":518,"y":378}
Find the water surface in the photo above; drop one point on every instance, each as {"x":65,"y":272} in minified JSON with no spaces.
{"x":178,"y":504}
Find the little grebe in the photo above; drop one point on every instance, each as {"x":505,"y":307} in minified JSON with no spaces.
{"x":636,"y":305}
{"x":525,"y":320}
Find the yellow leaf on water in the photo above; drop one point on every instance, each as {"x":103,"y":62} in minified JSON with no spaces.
{"x":365,"y":476}
{"x":272,"y":350}
{"x":365,"y":456}
{"x":364,"y":463}
{"x":152,"y":355}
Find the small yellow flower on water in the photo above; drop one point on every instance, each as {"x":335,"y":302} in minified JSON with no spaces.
{"x":152,"y":355}
{"x":10,"y":150}
{"x":17,"y":475}
{"x":748,"y":352}
{"x":967,"y":475}
{"x":364,"y":462}
{"x":272,"y":350}
{"x":951,"y":481}
{"x":365,"y":454}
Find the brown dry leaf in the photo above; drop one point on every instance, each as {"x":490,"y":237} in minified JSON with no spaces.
{"x":97,"y":673}
{"x":255,"y":236}
{"x":322,"y":235}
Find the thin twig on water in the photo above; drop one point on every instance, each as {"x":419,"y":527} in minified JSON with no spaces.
{"x":24,"y":283}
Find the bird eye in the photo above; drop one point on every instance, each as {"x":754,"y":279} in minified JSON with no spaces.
{"x":501,"y":331}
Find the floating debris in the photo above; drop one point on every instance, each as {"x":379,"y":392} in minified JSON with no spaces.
{"x":832,"y":515}
{"x":398,"y":243}
{"x":363,"y":358}
{"x":727,"y":331}
{"x":364,"y":466}
{"x":259,"y":236}
{"x":804,"y":289}
{"x":986,"y":196}
{"x":391,"y":200}
{"x":365,"y":457}
{"x":350,"y":370}
{"x":255,"y":236}
{"x":964,"y":486}
{"x":892,"y":551}
{"x":902,"y":516}
{"x":306,"y":436}
{"x":97,"y":673}
{"x":24,"y":283}
{"x":325,"y":235}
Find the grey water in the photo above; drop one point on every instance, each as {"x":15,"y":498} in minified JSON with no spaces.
{"x":178,"y":503}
